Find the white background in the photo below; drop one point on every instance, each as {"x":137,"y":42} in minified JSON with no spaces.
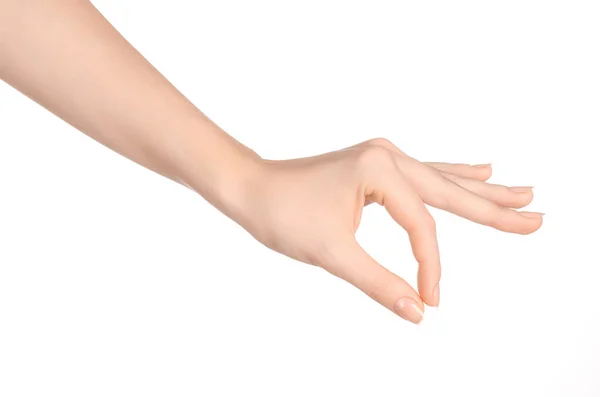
{"x":115,"y":281}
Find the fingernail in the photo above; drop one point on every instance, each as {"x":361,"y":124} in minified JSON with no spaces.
{"x":436,"y":295}
{"x":482,"y":165}
{"x":521,"y":189}
{"x":409,"y":310}
{"x":534,"y":215}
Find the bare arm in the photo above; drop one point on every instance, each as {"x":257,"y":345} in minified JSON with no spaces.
{"x":67,"y":57}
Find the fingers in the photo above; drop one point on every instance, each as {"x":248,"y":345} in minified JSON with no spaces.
{"x":471,"y":177}
{"x":406,"y":207}
{"x":456,"y":188}
{"x":481,"y":172}
{"x":354,"y":265}
{"x":439,"y":192}
{"x":513,"y":197}
{"x":383,"y":182}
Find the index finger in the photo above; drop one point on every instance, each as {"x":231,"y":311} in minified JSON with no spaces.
{"x":406,"y":207}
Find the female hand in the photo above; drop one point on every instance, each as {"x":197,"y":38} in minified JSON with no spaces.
{"x":310,"y":208}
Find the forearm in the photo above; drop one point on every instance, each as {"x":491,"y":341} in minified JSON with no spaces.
{"x":68,"y":58}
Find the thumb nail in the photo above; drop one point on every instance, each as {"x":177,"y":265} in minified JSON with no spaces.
{"x":409,"y":310}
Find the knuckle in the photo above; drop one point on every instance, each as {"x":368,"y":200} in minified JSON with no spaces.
{"x":422,"y":225}
{"x":378,"y":289}
{"x":384,"y":142}
{"x":429,"y":222}
{"x":497,"y":219}
{"x":496,"y":222}
{"x":374,"y":156}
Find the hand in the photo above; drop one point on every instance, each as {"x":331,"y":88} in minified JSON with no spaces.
{"x":310,"y":208}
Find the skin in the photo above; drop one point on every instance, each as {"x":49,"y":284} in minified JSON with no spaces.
{"x":68,"y":58}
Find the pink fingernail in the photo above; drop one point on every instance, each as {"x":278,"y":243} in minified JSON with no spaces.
{"x":436,"y":295}
{"x":409,"y":310}
{"x":533,"y":215}
{"x":521,"y":189}
{"x":482,"y":165}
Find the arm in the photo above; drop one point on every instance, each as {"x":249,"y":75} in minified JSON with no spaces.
{"x":68,"y":58}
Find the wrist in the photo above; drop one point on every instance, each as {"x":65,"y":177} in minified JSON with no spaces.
{"x":233,"y":185}
{"x":222,"y":170}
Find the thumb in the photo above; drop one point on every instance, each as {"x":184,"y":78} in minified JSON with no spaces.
{"x":356,"y":266}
